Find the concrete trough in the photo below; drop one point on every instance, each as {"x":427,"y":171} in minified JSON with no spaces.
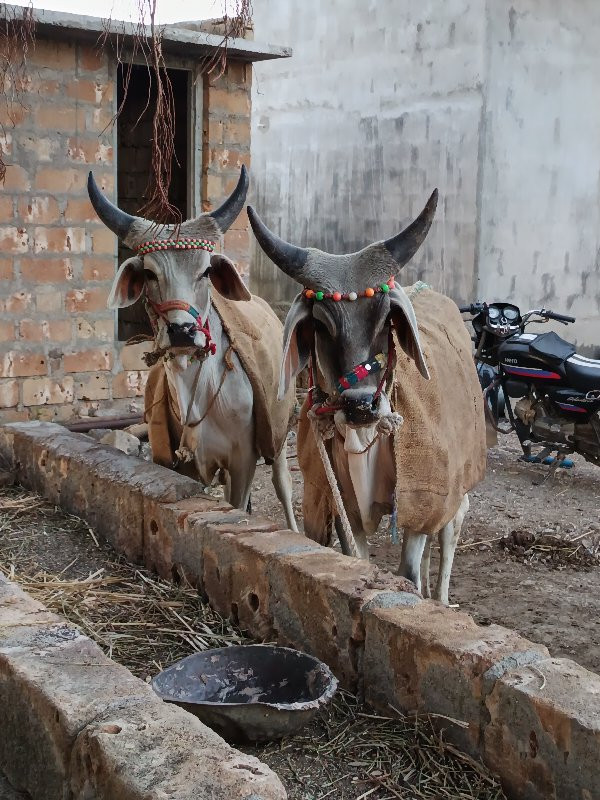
{"x":533,"y":719}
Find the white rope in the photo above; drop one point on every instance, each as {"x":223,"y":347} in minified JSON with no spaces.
{"x":348,"y":541}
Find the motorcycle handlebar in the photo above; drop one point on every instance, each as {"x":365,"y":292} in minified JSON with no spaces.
{"x":558,"y":317}
{"x":473,"y":308}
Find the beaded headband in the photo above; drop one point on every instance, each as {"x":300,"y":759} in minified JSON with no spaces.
{"x":383,"y":288}
{"x":174,"y":244}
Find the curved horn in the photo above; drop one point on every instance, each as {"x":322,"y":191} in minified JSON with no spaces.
{"x":289,"y":259}
{"x":227,"y":213}
{"x":119,"y":222}
{"x":403,"y":246}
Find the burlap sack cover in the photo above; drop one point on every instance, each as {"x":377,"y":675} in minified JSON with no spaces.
{"x":255,"y":333}
{"x":440,"y":449}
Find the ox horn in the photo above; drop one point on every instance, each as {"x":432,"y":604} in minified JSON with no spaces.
{"x":289,"y":259}
{"x":227,"y":213}
{"x":404,"y":245}
{"x":119,"y":222}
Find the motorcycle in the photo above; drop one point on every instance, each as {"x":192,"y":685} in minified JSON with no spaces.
{"x":555,"y":392}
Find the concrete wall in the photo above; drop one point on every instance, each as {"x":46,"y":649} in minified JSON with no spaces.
{"x":383,"y":100}
{"x":540,"y":209}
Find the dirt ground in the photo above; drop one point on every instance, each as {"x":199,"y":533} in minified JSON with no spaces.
{"x":347,"y":753}
{"x":548,"y":591}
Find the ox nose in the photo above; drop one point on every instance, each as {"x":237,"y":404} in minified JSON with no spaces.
{"x":359,"y":406}
{"x":181,"y":335}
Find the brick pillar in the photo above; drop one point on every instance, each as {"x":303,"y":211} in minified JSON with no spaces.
{"x":56,"y":258}
{"x":226,"y":146}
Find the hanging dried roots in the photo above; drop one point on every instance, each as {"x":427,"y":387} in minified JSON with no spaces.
{"x":17,"y":38}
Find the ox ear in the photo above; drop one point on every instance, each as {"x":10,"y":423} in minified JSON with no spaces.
{"x":404,"y":321}
{"x":297,"y":337}
{"x":128,"y":283}
{"x":226,"y":279}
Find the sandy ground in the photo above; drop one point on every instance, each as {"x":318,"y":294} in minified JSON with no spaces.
{"x":548,"y":592}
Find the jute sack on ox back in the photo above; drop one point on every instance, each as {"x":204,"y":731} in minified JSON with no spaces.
{"x":255,"y":334}
{"x":440,"y":449}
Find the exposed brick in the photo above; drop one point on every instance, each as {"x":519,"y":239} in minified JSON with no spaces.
{"x":7,"y":331}
{"x":38,"y":85}
{"x":93,"y":299}
{"x":54,"y":330}
{"x":214,"y":131}
{"x":7,"y":269}
{"x":104,"y":329}
{"x":239,"y":73}
{"x":98,"y":268}
{"x":103,"y":241}
{"x":13,"y":115}
{"x":91,"y":58}
{"x":42,"y":210}
{"x":6,"y":208}
{"x":237,"y":131}
{"x":88,"y":360}
{"x":17,"y":364}
{"x":9,"y":394}
{"x":228,"y":158}
{"x":44,"y":149}
{"x":59,"y":240}
{"x":214,"y":191}
{"x":60,"y":181}
{"x":12,"y":415}
{"x":90,"y":91}
{"x":233,"y":102}
{"x":89,"y":150}
{"x":59,"y":55}
{"x":46,"y":270}
{"x":61,"y":119}
{"x":237,"y":244}
{"x":93,"y":387}
{"x":99,"y":119}
{"x":58,"y":413}
{"x":129,"y":384}
{"x":131,"y":356}
{"x":16,"y":303}
{"x":47,"y":391}
{"x":49,"y":301}
{"x":13,"y":239}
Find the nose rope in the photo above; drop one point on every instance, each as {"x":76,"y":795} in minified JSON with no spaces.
{"x":161,"y":309}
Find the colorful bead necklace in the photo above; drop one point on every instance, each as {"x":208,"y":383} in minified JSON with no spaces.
{"x":383,"y":288}
{"x":175,"y":244}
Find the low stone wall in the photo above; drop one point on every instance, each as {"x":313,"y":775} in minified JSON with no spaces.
{"x":76,"y":724}
{"x":535,"y":720}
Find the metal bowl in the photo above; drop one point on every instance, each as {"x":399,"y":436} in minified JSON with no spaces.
{"x":251,"y":693}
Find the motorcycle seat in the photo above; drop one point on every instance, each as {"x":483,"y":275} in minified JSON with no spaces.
{"x":583,"y":373}
{"x":551,"y":348}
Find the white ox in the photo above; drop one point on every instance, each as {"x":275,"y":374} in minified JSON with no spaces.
{"x":344,"y":325}
{"x":175,"y":270}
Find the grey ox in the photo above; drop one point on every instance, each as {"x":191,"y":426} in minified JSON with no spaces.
{"x":176,"y":272}
{"x":338,"y":324}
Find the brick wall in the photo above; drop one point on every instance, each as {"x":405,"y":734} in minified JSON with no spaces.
{"x":58,"y":351}
{"x":226,"y":147}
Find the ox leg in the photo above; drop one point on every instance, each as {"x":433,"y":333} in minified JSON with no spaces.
{"x":448,"y":539}
{"x":360,"y":537}
{"x":241,"y":474}
{"x":426,"y":567}
{"x":413,"y":545}
{"x":282,"y":482}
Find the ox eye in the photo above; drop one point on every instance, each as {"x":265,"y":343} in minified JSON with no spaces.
{"x":149,"y":275}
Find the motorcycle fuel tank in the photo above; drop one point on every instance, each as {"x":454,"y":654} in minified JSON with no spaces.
{"x":519,"y":362}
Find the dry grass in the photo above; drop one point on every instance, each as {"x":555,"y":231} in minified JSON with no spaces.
{"x":348,"y":753}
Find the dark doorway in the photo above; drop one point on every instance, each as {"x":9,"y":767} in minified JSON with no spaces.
{"x":134,"y":138}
